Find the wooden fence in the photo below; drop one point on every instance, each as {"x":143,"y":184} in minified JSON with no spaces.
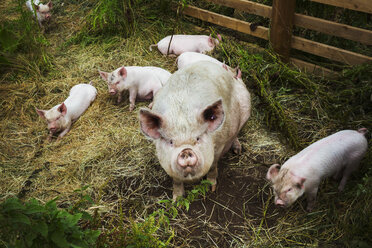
{"x":283,"y":18}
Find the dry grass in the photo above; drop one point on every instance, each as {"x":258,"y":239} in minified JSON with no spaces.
{"x":106,"y":150}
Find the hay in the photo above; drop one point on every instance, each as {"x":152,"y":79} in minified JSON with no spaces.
{"x":106,"y":150}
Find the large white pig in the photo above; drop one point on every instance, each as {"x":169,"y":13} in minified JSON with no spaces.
{"x":187,"y":43}
{"x":337,"y":155}
{"x":195,"y":119}
{"x":42,"y":10}
{"x":141,"y":82}
{"x":61,"y":116}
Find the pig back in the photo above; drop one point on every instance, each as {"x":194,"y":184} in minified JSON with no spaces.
{"x":80,"y":98}
{"x":192,"y":89}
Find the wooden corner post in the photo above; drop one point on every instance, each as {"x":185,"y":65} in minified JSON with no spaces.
{"x":282,"y":16}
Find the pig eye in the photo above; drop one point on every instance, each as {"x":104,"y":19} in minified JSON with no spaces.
{"x":198,"y":139}
{"x":171,"y":142}
{"x":289,"y":189}
{"x":117,"y":82}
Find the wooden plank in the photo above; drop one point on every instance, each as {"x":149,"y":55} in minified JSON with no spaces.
{"x":312,"y":68}
{"x":282,"y":16}
{"x":246,"y":6}
{"x":329,"y":52}
{"x":324,"y":26}
{"x":333,"y":28}
{"x":228,"y":22}
{"x":358,"y":5}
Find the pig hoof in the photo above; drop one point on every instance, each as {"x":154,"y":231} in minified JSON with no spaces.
{"x":150,"y":105}
{"x":131,"y":108}
{"x":213,"y":187}
{"x":237,"y":148}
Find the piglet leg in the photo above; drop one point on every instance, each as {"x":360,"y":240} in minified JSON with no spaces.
{"x":64,"y":132}
{"x":132,"y":98}
{"x":311,"y":199}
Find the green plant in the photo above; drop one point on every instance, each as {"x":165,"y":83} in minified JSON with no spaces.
{"x":23,"y":46}
{"x":33,"y":224}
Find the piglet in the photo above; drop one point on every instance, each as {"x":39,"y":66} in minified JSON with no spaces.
{"x":42,"y":10}
{"x":188,"y":58}
{"x":337,"y":155}
{"x":61,"y":116}
{"x":142,"y":82}
{"x":187,"y":43}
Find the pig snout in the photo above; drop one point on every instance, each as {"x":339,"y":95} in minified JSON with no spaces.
{"x":47,"y":16}
{"x":112,"y":92}
{"x":187,"y":161}
{"x":187,"y":158}
{"x":53,"y":127}
{"x":280,"y":202}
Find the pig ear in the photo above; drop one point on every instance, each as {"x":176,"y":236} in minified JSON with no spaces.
{"x":50,"y":4}
{"x":150,"y":123}
{"x":40,"y":112}
{"x":123,"y":72}
{"x":213,"y":115}
{"x":104,"y":75}
{"x":210,"y":41}
{"x":272,"y":172}
{"x":62,"y":108}
{"x":299,"y":181}
{"x":239,"y":74}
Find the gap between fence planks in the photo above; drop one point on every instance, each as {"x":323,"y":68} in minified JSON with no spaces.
{"x":312,"y":68}
{"x":329,"y":52}
{"x":317,"y":24}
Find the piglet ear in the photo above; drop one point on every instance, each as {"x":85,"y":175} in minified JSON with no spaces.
{"x":272,"y":172}
{"x":213,"y":115}
{"x":123,"y":72}
{"x":104,"y":75}
{"x":40,"y":112}
{"x":50,"y":4}
{"x":239,"y":74}
{"x":62,"y":108}
{"x":150,"y":123}
{"x":210,"y":41}
{"x":297,"y":180}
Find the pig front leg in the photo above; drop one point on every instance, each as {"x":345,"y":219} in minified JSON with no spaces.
{"x":132,"y":98}
{"x":64,"y":132}
{"x":120,"y":98}
{"x":178,"y":189}
{"x":311,"y":198}
{"x":236,"y":146}
{"x":212,"y":176}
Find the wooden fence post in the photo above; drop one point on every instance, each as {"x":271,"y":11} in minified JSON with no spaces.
{"x":282,"y":16}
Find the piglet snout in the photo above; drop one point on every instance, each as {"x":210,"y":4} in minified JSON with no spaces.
{"x":112,"y":92}
{"x":47,"y":16}
{"x":187,"y":158}
{"x":279,"y":202}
